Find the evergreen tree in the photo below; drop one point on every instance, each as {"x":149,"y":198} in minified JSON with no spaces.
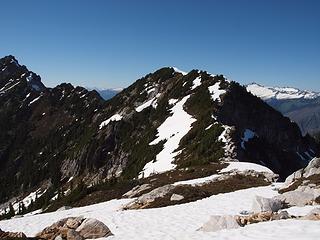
{"x":11,"y":210}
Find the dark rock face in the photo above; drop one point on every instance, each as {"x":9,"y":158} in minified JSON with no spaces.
{"x":49,"y":135}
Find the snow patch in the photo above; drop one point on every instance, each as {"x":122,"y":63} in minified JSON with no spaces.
{"x":179,"y":71}
{"x":196,"y":83}
{"x":172,"y":131}
{"x":244,"y":166}
{"x":34,"y":100}
{"x":173,"y":101}
{"x":197,"y":181}
{"x":114,"y":118}
{"x":207,"y":128}
{"x":216,"y":92}
{"x":151,"y":102}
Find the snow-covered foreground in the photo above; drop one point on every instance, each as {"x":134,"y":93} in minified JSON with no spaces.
{"x":179,"y":221}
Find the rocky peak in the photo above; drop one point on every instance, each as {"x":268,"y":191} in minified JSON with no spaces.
{"x":18,"y":80}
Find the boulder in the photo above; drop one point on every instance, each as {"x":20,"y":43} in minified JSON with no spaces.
{"x":262,"y":217}
{"x":261,"y":204}
{"x":147,"y":198}
{"x":64,"y":208}
{"x":136,"y":191}
{"x":294,"y":176}
{"x":312,"y":168}
{"x":281,"y":216}
{"x":73,"y":223}
{"x":245,"y":212}
{"x":315,"y":211}
{"x":74,"y":235}
{"x":254,"y":218}
{"x":217,"y":223}
{"x":53,"y":231}
{"x":296,"y":198}
{"x":75,"y":228}
{"x":176,"y":197}
{"x":59,"y":237}
{"x":92,"y":228}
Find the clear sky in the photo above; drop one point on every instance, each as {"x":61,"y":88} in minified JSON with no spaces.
{"x":111,"y":43}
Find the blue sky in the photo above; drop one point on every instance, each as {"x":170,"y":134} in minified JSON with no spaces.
{"x":112,"y":43}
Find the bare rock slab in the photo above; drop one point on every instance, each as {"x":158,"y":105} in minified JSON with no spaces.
{"x":92,"y":228}
{"x":261,"y":204}
{"x":217,"y":223}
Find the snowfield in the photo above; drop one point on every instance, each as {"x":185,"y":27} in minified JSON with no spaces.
{"x":172,"y":133}
{"x":179,"y":222}
{"x":244,"y":166}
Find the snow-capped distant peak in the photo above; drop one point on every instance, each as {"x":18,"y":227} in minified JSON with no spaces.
{"x":280,"y":93}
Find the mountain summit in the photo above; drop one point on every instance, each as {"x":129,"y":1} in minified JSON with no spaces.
{"x":166,"y":120}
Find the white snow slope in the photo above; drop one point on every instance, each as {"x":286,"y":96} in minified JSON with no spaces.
{"x":172,"y":131}
{"x":178,"y":222}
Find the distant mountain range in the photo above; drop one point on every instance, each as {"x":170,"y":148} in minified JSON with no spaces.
{"x":108,"y":93}
{"x":301,"y":106}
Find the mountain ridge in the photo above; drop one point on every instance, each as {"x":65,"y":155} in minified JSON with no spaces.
{"x":279,"y":93}
{"x":69,"y":135}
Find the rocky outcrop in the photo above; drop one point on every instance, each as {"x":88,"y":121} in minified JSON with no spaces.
{"x":144,"y":200}
{"x":77,"y":228}
{"x":92,"y":228}
{"x":262,"y":217}
{"x":217,"y":223}
{"x":261,"y":204}
{"x":303,"y":186}
{"x":12,"y":235}
{"x":297,"y":198}
{"x":137,"y":191}
{"x":313,"y":168}
{"x":176,"y":197}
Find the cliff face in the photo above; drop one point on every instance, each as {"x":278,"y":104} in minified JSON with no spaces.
{"x":165,"y":120}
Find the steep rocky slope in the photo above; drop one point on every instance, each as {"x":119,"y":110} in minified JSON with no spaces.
{"x":55,"y":138}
